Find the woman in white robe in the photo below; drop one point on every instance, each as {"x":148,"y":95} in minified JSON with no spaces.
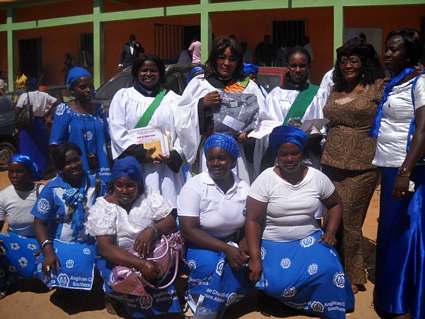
{"x":161,"y":174}
{"x":278,"y":104}
{"x":201,"y":99}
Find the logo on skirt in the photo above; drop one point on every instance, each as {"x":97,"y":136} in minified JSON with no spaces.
{"x":307,"y":242}
{"x":317,"y":306}
{"x":219,"y":268}
{"x":312,"y":269}
{"x":289,"y":292}
{"x":285,"y":263}
{"x":145,"y":302}
{"x":339,"y":280}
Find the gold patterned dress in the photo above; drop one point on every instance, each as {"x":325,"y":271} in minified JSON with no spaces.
{"x":347,"y":160}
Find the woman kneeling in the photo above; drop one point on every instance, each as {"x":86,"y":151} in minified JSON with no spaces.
{"x":211,"y":213}
{"x":126,"y":223}
{"x":291,"y":259}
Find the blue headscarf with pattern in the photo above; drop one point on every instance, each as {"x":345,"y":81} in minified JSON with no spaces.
{"x":127,"y":167}
{"x":75,"y":73}
{"x":226,"y":142}
{"x":28,"y":163}
{"x":287,"y":134}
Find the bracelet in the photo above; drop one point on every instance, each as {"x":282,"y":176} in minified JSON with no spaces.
{"x":403,"y":172}
{"x":45,"y":243}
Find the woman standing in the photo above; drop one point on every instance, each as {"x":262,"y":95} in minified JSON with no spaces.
{"x":349,"y":150}
{"x":290,"y":257}
{"x":298,"y":100}
{"x":202,"y":98}
{"x":83,"y":123}
{"x":67,"y":253}
{"x":127,"y":221}
{"x":211,"y":209}
{"x":147,"y":104}
{"x":400,"y":256}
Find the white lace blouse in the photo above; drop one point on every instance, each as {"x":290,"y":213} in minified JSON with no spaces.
{"x":106,"y":218}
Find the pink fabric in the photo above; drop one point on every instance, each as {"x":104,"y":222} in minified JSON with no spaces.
{"x":195,"y":48}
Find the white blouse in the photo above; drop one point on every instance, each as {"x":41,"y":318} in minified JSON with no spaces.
{"x":397,"y":116}
{"x":106,"y":218}
{"x":291,"y":209}
{"x":220,"y":214}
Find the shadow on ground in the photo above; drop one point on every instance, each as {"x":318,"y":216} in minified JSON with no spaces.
{"x":369,"y":249}
{"x":75,"y":301}
{"x":267,"y":306}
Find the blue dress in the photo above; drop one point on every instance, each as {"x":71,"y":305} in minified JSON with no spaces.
{"x":400,"y":250}
{"x":89,"y":132}
{"x":64,"y":209}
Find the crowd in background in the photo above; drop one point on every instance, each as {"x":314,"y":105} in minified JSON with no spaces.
{"x":279,"y":212}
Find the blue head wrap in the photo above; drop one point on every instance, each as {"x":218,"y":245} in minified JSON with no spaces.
{"x":287,"y":134}
{"x":28,"y":163}
{"x":226,"y":142}
{"x":196,"y":70}
{"x":249,"y":68}
{"x":128,"y":167}
{"x":75,"y":73}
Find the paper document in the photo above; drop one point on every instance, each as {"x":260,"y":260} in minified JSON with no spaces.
{"x":265,"y":128}
{"x":151,"y":138}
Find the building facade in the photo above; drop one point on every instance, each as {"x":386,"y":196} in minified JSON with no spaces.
{"x":35,"y":36}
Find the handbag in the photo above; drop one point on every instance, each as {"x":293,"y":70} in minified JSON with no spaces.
{"x":166,"y":255}
{"x":24,"y":117}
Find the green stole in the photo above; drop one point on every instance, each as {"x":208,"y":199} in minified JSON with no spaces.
{"x":301,"y":103}
{"x":147,"y":115}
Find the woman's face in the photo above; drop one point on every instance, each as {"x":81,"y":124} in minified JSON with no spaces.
{"x":125,"y":190}
{"x":226,"y":64}
{"x":350,"y":67}
{"x":219,"y":163}
{"x":73,"y":169}
{"x":298,"y":67}
{"x":19,"y":175}
{"x":395,"y":55}
{"x":148,"y":74}
{"x":83,"y":89}
{"x":289,"y":158}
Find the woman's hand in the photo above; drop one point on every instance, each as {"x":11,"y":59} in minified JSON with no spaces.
{"x":211,"y":100}
{"x":242,"y":137}
{"x":235,"y":257}
{"x":328,"y":238}
{"x":255,"y":269}
{"x":401,"y":186}
{"x":145,"y":242}
{"x":149,"y":270}
{"x":51,"y":261}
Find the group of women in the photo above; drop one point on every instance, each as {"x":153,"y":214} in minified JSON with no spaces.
{"x":248,"y":221}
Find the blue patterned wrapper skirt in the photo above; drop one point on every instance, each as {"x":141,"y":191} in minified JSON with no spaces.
{"x":307,"y":275}
{"x":400,"y":256}
{"x":213,"y":285}
{"x":19,"y":260}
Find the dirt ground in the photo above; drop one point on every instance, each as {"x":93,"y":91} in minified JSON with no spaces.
{"x":37,"y":303}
